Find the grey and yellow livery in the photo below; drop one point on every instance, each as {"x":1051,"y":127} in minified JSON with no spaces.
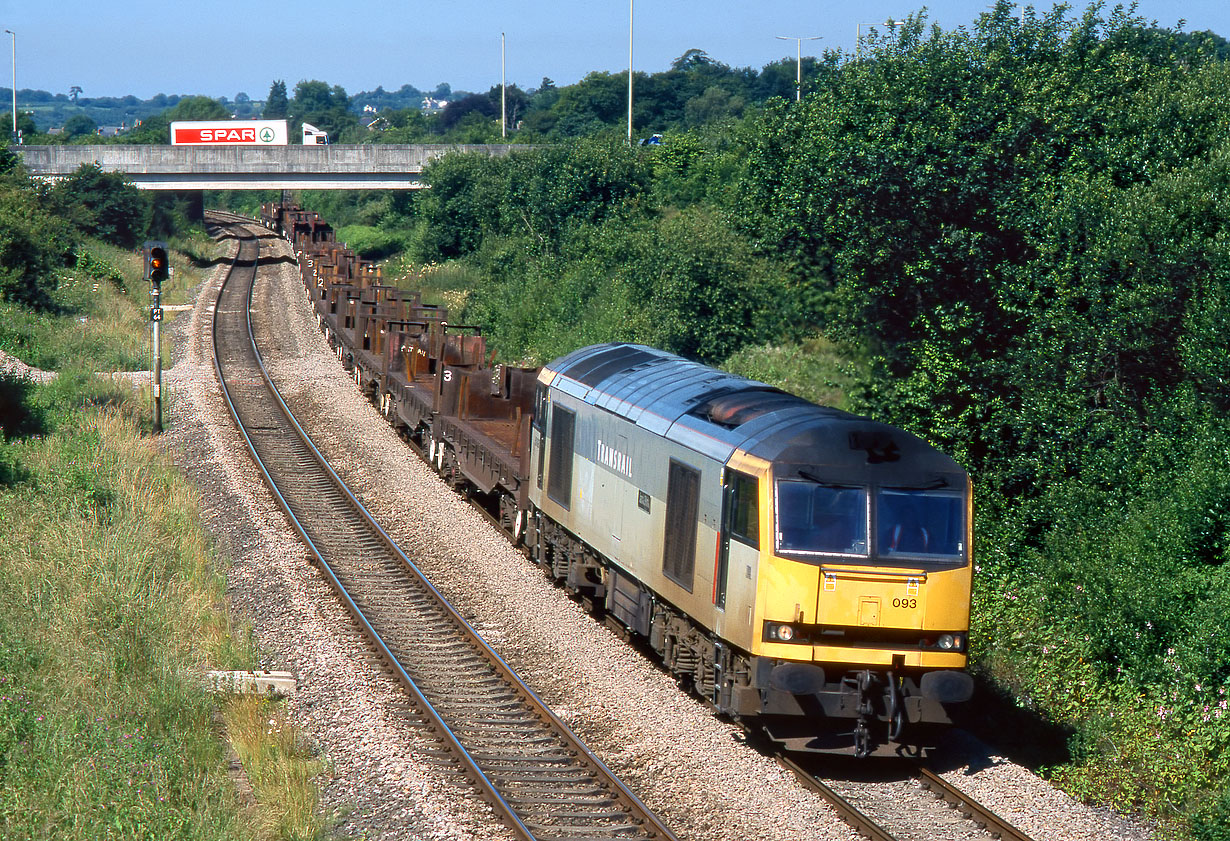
{"x":797,"y":564}
{"x":799,"y":567}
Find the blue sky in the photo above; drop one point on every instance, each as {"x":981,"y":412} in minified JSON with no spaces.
{"x":223,"y":47}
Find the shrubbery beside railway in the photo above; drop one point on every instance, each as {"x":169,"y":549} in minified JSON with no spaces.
{"x":1018,"y":234}
{"x":110,"y":589}
{"x":1017,"y":237}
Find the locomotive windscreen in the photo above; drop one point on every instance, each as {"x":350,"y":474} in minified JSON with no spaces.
{"x":822,"y":519}
{"x":817,"y":518}
{"x":928,"y":524}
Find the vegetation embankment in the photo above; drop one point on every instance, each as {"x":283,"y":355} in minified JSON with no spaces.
{"x":1012,"y":240}
{"x":113,"y":601}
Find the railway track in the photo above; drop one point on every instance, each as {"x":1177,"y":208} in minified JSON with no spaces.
{"x":874,"y":826}
{"x":540,"y":779}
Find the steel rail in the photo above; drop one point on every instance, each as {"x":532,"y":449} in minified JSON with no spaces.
{"x":978,"y":814}
{"x":847,"y":811}
{"x":481,"y":780}
{"x":641,"y":815}
{"x":969,"y":807}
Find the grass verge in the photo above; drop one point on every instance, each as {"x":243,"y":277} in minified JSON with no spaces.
{"x":815,"y":369}
{"x":113,"y":606}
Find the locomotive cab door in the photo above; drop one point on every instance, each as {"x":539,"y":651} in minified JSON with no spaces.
{"x":542,"y":404}
{"x":738,"y":555}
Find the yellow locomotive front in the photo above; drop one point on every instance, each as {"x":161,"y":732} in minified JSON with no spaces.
{"x":795,"y":564}
{"x":863,"y":589}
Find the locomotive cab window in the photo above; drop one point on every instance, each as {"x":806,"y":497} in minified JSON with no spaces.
{"x":814,"y":518}
{"x":540,"y":406}
{"x":924,"y":524}
{"x":744,"y":507}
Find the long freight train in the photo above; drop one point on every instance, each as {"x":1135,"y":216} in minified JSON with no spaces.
{"x":799,"y":567}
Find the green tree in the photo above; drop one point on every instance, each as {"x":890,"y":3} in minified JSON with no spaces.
{"x":277,"y":105}
{"x":157,"y":128}
{"x":408,"y":125}
{"x":34,"y":245}
{"x":198,"y":108}
{"x":460,"y":109}
{"x":79,"y":125}
{"x":714,"y":104}
{"x":326,"y":108}
{"x":25,"y":123}
{"x":590,"y":106}
{"x":691,"y":59}
{"x":102,"y":204}
{"x":1023,"y":226}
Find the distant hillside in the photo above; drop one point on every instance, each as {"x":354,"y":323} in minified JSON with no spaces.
{"x":407,"y":96}
{"x":53,"y":110}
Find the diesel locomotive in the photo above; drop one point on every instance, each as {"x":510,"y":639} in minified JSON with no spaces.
{"x":802,"y":569}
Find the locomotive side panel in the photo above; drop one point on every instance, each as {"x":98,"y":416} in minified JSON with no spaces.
{"x":625,"y":487}
{"x":650,"y":486}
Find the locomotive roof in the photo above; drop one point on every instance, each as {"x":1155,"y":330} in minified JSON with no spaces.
{"x":715,"y":412}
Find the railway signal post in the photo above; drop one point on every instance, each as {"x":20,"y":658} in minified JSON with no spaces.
{"x":157,"y":269}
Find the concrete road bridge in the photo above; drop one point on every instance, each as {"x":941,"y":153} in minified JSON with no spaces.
{"x":376,"y":166}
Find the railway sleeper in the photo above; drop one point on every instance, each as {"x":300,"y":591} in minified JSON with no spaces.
{"x":558,"y":777}
{"x":598,"y":802}
{"x":729,"y":680}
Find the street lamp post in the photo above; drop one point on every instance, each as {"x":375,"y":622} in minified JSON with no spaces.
{"x":858,"y":35}
{"x":630,"y":72}
{"x":14,"y":34}
{"x":503,"y":93}
{"x":798,"y":81}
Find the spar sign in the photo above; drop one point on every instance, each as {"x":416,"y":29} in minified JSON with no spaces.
{"x":229,"y":133}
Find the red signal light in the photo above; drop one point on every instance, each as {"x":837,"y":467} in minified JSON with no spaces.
{"x":157,"y":264}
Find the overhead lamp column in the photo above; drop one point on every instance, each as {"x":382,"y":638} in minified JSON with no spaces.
{"x":630,"y":72}
{"x":14,"y":34}
{"x":798,"y":81}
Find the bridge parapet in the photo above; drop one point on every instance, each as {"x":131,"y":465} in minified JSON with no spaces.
{"x":370,"y":166}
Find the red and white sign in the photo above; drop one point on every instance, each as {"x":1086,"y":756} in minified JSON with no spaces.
{"x":229,"y":133}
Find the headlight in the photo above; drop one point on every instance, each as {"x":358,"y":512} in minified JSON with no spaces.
{"x":947,"y":642}
{"x":786,"y":632}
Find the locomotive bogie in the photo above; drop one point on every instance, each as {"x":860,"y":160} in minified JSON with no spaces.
{"x":790,"y":563}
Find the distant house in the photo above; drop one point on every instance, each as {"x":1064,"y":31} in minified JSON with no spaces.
{"x":430,"y":104}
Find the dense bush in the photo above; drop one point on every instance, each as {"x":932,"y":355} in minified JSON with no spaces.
{"x":1019,"y":233}
{"x":103,"y":205}
{"x":579,"y":252}
{"x":371,"y":242}
{"x":33,"y":245}
{"x":1027,"y":236}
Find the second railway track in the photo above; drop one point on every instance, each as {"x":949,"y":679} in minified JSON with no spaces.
{"x":889,"y":817}
{"x":538,"y":776}
{"x":372,"y":590}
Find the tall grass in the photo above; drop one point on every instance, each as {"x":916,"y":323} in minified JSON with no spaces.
{"x":100,"y":315}
{"x":815,"y":369}
{"x":113,"y":603}
{"x":279,"y":766}
{"x":110,"y":613}
{"x":447,"y":284}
